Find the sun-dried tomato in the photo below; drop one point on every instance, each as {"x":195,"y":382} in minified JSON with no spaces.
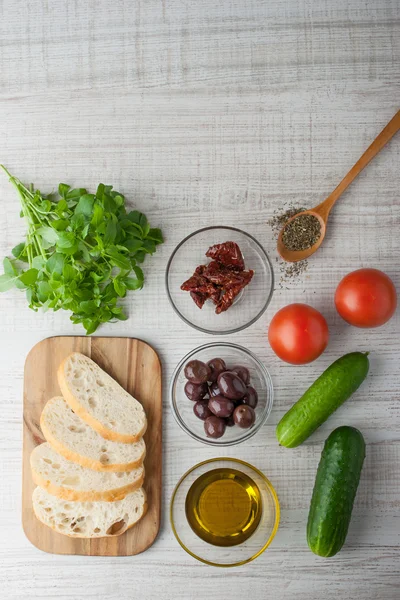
{"x":246,"y":276}
{"x":216,"y":295}
{"x":224,"y":277}
{"x":198,"y":283}
{"x":193,"y":283}
{"x":201,"y":289}
{"x":199,"y":299}
{"x":228,"y":298}
{"x":228,"y":254}
{"x":221,"y":280}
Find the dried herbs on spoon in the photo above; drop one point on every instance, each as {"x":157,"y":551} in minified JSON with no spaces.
{"x":301,"y":232}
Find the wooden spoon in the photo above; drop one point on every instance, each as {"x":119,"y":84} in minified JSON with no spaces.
{"x":321,"y":212}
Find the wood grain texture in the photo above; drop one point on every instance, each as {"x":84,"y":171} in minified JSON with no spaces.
{"x":207,"y":113}
{"x":135,"y":365}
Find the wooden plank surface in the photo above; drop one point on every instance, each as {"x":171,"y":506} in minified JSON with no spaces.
{"x":209,"y":113}
{"x":136,"y":366}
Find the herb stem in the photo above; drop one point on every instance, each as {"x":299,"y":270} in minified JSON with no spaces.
{"x":38,"y":212}
{"x":29,"y":212}
{"x":85,"y":242}
{"x":27,"y":209}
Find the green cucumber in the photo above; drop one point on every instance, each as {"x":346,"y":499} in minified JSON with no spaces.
{"x":335,"y":488}
{"x":326,"y":394}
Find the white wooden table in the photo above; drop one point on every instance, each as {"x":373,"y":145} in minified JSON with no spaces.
{"x":201,"y":113}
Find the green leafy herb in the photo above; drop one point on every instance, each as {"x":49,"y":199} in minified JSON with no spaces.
{"x":81,"y":252}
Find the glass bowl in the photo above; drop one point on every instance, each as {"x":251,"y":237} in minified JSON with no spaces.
{"x":233,"y":355}
{"x":231,"y":556}
{"x":249,"y":304}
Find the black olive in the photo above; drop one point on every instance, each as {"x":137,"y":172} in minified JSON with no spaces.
{"x":242,"y":372}
{"x":197,"y":372}
{"x":244,"y":416}
{"x":214,"y":427}
{"x":201,"y":410}
{"x":217,"y":366}
{"x":251,"y":397}
{"x":221,"y":406}
{"x":195,"y":391}
{"x":231,"y":385}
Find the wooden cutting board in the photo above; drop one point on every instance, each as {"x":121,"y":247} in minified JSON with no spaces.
{"x":136,"y":366}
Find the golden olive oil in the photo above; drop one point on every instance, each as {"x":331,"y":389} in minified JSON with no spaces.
{"x":223,"y":507}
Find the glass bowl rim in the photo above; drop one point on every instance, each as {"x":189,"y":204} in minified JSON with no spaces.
{"x":267,"y":261}
{"x":271,"y":489}
{"x":253,"y":430}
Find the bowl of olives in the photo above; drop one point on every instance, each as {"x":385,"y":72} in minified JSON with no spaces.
{"x":221,"y":394}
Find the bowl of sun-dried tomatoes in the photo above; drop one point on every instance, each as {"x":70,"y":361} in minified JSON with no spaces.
{"x":219,"y":280}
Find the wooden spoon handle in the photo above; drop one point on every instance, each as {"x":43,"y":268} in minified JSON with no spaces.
{"x":385,"y":135}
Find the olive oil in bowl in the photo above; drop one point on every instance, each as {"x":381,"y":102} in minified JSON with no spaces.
{"x":224,"y":507}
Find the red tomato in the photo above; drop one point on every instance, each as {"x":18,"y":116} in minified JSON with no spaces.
{"x":298,"y":334}
{"x":366,"y":298}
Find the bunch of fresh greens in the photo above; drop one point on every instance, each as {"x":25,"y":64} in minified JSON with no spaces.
{"x":82,"y":252}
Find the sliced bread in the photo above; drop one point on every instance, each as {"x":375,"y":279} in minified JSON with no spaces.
{"x":89,"y":519}
{"x":70,"y":481}
{"x":100,"y":401}
{"x":74,"y":439}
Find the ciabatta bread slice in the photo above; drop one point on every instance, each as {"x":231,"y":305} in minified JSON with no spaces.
{"x":100,"y":401}
{"x":70,"y":481}
{"x":75,"y":440}
{"x":89,"y":519}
